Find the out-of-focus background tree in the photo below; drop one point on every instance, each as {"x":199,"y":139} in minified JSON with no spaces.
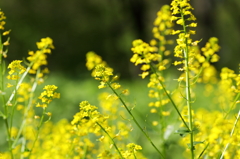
{"x":108,"y":27}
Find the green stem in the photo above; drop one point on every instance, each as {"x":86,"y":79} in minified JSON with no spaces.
{"x":114,"y":144}
{"x":19,"y":83}
{"x":9,"y":138}
{"x":205,"y":148}
{"x":200,"y":71}
{"x":23,"y":76}
{"x":163,"y":123}
{"x":231,"y":134}
{"x":188,"y":88}
{"x":38,"y":131}
{"x":27,"y":109}
{"x":233,"y":104}
{"x":169,"y":97}
{"x":135,"y":121}
{"x":13,"y":108}
{"x":5,"y":107}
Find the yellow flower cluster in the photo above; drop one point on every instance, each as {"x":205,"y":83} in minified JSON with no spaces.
{"x":144,"y":54}
{"x":162,"y":27}
{"x":196,"y":61}
{"x":2,"y":22}
{"x":181,"y":13}
{"x":213,"y":132}
{"x":39,"y":58}
{"x":90,"y":121}
{"x":211,"y":48}
{"x":48,"y":95}
{"x":100,"y":71}
{"x":132,"y":149}
{"x":93,"y":60}
{"x":228,"y":89}
{"x":4,"y":42}
{"x":15,"y":69}
{"x":181,"y":8}
{"x":23,"y":95}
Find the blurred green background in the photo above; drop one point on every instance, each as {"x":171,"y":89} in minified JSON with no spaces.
{"x":108,"y":27}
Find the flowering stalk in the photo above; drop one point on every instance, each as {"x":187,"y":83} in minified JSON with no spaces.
{"x":34,"y":86}
{"x":46,"y":98}
{"x":38,"y":131}
{"x":188,"y":87}
{"x":182,"y":8}
{"x":103,"y":73}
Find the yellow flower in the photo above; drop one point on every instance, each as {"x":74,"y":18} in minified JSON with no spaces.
{"x":48,"y":95}
{"x":9,"y":85}
{"x":93,"y":60}
{"x":15,"y":69}
{"x":45,"y":43}
{"x":165,"y":113}
{"x":155,"y":123}
{"x":2,"y":22}
{"x":144,"y":74}
{"x":16,"y":66}
{"x":39,"y":58}
{"x":6,"y":32}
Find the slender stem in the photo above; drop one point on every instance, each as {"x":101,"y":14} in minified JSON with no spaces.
{"x":9,"y":138}
{"x":114,"y":144}
{"x":203,"y":151}
{"x":188,"y":88}
{"x":38,"y":131}
{"x":163,"y":123}
{"x":135,"y":157}
{"x":233,"y":104}
{"x":13,"y":108}
{"x":135,"y":121}
{"x":27,"y":109}
{"x":5,"y":107}
{"x":19,"y":83}
{"x":169,"y":97}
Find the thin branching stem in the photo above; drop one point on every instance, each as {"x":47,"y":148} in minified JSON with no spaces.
{"x":169,"y":97}
{"x":113,"y":142}
{"x":231,"y":134}
{"x":135,"y":121}
{"x":38,"y":131}
{"x":34,"y":86}
{"x":233,"y":104}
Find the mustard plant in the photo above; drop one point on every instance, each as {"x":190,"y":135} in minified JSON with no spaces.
{"x":17,"y":95}
{"x":200,"y":106}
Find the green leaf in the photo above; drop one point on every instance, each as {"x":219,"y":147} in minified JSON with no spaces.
{"x":182,"y":132}
{"x":195,"y":143}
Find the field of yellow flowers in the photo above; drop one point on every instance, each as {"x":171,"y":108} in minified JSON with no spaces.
{"x":192,"y":112}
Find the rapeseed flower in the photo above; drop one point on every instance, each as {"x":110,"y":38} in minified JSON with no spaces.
{"x":39,"y":58}
{"x":48,"y":95}
{"x":2,"y":18}
{"x":15,"y":69}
